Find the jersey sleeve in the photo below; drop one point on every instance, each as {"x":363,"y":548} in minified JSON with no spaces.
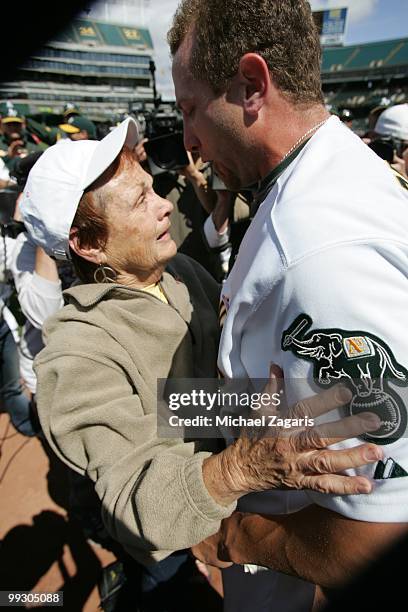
{"x":345,"y":321}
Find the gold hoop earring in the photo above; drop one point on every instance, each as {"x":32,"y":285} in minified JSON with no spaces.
{"x":104,"y":274}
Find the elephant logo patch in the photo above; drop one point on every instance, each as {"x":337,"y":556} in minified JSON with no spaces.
{"x":367,"y":364}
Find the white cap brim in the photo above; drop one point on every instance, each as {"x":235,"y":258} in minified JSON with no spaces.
{"x":126,"y":134}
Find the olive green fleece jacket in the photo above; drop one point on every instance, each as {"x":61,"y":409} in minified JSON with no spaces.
{"x":96,"y":395}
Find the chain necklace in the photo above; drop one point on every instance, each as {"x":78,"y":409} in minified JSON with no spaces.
{"x":302,"y":138}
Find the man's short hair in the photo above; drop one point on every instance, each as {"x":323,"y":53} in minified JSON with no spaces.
{"x":283,"y":32}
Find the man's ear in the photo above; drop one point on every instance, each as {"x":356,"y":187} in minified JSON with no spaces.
{"x":95,"y":255}
{"x":255,"y":75}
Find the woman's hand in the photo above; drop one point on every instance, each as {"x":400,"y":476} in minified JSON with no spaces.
{"x":296,"y":458}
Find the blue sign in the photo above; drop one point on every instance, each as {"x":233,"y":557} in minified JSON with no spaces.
{"x":333,"y":26}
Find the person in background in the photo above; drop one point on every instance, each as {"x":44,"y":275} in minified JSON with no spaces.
{"x":188,"y":189}
{"x":79,"y":127}
{"x":372,"y":118}
{"x":70,"y":110}
{"x":15,"y":140}
{"x":37,"y":282}
{"x":346,"y":117}
{"x":392,"y":127}
{"x":15,"y":400}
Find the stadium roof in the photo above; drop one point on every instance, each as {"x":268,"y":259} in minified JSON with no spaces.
{"x":93,"y":32}
{"x":369,"y":56}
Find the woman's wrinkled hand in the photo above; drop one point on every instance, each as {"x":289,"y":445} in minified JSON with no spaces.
{"x":296,"y":458}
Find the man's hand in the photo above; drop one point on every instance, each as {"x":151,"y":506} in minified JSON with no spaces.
{"x":315,"y":544}
{"x":140,"y":151}
{"x":233,"y":543}
{"x":242,"y":536}
{"x":207,"y":551}
{"x":399,"y":165}
{"x":16,"y":149}
{"x":296,"y":458}
{"x":193,"y":174}
{"x":192,"y":171}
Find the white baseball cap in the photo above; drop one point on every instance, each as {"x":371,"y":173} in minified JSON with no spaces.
{"x":393,"y":122}
{"x":59,"y":178}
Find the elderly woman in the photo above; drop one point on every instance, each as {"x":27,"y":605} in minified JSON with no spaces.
{"x":144,"y":313}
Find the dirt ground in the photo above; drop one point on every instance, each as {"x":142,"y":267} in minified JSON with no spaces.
{"x":40,"y":549}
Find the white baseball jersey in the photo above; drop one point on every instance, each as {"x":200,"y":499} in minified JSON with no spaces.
{"x":320,"y":287}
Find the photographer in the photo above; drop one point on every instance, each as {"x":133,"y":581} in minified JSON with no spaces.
{"x":390,"y":140}
{"x":201,"y":204}
{"x":15,"y":402}
{"x":228,"y":222}
{"x":183,"y":180}
{"x":37,"y":284}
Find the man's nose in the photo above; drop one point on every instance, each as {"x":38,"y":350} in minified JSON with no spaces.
{"x":191,"y":142}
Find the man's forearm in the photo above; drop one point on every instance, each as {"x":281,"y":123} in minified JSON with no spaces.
{"x":257,"y":539}
{"x":314,"y":544}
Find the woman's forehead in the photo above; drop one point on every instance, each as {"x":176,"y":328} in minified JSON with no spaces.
{"x":130,"y":171}
{"x":127,"y":183}
{"x":137,"y":175}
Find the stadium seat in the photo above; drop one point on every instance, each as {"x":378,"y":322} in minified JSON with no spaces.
{"x":372,"y":55}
